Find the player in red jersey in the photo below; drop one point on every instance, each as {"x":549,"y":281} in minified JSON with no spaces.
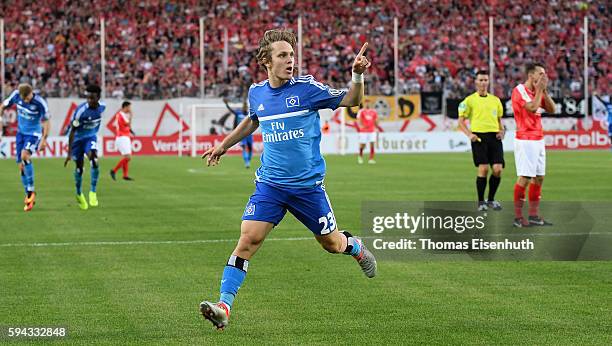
{"x":123,"y":126}
{"x":368,"y":123}
{"x":529,"y":101}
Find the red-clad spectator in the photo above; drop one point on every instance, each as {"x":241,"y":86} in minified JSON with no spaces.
{"x":152,"y":46}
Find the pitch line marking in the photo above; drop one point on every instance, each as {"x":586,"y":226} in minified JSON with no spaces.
{"x":142,"y":242}
{"x":212,"y":241}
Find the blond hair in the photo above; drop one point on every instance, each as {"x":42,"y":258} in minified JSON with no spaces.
{"x":264,"y":54}
{"x":24,"y":90}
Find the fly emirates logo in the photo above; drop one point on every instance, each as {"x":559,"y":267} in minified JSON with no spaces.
{"x":279,"y":134}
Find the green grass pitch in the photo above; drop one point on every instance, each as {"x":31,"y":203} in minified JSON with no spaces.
{"x":128,"y":291}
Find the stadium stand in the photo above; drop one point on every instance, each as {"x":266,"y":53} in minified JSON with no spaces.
{"x":55,"y":45}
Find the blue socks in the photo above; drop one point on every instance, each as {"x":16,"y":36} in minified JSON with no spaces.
{"x":27,"y":177}
{"x":353,"y":247}
{"x":95,"y":173}
{"x":233,"y":276}
{"x":236,"y":269}
{"x":245,"y":156}
{"x":24,"y":182}
{"x":78,"y":178}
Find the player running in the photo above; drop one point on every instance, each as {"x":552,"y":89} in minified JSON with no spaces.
{"x":529,"y":101}
{"x":123,"y":142}
{"x":292,"y":171}
{"x":32,"y":132}
{"x":83,"y":141}
{"x":484,"y":111}
{"x":367,"y":124}
{"x":247,"y":142}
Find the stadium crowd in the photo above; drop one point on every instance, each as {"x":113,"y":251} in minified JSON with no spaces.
{"x":152,"y":46}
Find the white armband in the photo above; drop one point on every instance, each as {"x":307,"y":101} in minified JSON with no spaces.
{"x":357,"y":77}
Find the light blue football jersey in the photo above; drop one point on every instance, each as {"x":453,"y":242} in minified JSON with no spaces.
{"x":86,"y":121}
{"x":291,"y":130}
{"x":30,"y":114}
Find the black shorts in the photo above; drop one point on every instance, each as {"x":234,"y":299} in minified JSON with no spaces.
{"x":489,"y":150}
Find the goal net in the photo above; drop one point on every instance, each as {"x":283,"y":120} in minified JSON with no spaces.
{"x":208,"y":123}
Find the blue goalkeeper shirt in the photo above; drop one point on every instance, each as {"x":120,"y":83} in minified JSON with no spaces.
{"x":291,"y":130}
{"x":86,"y":121}
{"x":29,"y":114}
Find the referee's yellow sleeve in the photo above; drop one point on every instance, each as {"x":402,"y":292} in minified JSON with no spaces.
{"x":500,"y":109}
{"x":464,"y":109}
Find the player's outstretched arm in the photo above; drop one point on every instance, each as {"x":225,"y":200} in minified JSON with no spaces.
{"x":354,"y":96}
{"x":245,"y":128}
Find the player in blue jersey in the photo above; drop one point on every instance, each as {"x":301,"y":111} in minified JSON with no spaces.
{"x":83,"y":142}
{"x":292,"y":169}
{"x":247,"y":142}
{"x":32,"y":132}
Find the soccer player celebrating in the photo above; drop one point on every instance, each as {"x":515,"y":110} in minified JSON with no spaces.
{"x":123,"y":125}
{"x":484,"y":111}
{"x":529,"y":101}
{"x":32,"y":132}
{"x":368,"y":123}
{"x":292,"y":171}
{"x":83,"y":141}
{"x":247,"y":142}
